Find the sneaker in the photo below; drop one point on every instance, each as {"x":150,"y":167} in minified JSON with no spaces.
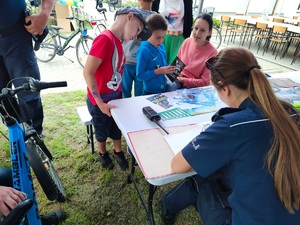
{"x":121,"y":160}
{"x":168,"y":219}
{"x":106,"y":161}
{"x":53,"y":218}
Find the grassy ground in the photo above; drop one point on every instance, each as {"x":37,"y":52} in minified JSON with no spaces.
{"x":94,"y":196}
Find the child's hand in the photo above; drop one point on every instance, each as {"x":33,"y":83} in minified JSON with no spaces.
{"x":165,"y":70}
{"x":105,"y":108}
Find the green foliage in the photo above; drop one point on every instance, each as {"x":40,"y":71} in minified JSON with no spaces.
{"x":217,"y":22}
{"x":130,"y":3}
{"x":94,"y":195}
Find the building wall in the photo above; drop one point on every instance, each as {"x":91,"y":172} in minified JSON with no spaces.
{"x":253,"y":7}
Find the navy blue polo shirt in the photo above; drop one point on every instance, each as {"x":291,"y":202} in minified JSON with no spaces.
{"x":11,"y":11}
{"x":237,"y":143}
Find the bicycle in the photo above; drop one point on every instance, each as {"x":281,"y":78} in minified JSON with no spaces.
{"x":99,"y":24}
{"x":114,"y":4}
{"x":28,"y":150}
{"x":216,"y":37}
{"x":52,"y":44}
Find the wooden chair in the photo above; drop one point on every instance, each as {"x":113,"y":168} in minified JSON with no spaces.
{"x":296,"y":53}
{"x":260,"y":32}
{"x":278,"y":36}
{"x":239,"y":26}
{"x":278,"y":20}
{"x":225,"y":24}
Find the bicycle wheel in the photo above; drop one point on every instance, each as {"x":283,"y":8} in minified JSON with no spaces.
{"x":99,"y":28}
{"x":45,"y":172}
{"x":216,"y":37}
{"x":83,"y":47}
{"x":47,"y":49}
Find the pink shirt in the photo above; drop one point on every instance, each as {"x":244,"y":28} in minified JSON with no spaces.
{"x":194,"y":57}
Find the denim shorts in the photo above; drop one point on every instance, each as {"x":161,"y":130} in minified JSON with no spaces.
{"x":104,"y":126}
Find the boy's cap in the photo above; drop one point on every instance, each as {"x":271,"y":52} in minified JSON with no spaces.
{"x":146,"y":32}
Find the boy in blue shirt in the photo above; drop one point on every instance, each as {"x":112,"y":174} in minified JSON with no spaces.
{"x":130,"y":49}
{"x":151,"y":58}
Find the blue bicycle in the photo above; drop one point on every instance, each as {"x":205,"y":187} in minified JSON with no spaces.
{"x":27,"y":150}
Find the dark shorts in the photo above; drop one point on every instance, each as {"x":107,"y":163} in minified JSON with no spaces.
{"x":104,"y":126}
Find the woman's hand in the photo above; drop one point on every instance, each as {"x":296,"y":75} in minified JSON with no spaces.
{"x":180,"y":79}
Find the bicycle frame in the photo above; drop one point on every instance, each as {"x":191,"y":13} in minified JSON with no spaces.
{"x":21,"y":139}
{"x":67,"y":39}
{"x":65,"y":46}
{"x":22,"y":178}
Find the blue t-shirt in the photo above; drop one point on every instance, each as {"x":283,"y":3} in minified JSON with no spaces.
{"x":11,"y":11}
{"x":148,"y":59}
{"x":237,"y":142}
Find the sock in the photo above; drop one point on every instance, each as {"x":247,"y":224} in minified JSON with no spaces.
{"x":117,"y":153}
{"x":102,"y":155}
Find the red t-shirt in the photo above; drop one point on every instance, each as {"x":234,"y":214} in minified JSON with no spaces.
{"x":108,"y":81}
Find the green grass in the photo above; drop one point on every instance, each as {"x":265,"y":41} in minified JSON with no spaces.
{"x":94,"y":196}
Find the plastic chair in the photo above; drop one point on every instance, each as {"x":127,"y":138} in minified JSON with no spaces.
{"x":260,"y":32}
{"x":225,"y":24}
{"x":278,"y":36}
{"x":239,"y":26}
{"x":296,"y":53}
{"x":278,"y":20}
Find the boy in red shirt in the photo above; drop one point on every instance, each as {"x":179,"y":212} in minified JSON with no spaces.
{"x":103,"y":74}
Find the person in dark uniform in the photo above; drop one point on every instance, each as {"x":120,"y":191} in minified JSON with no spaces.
{"x":247,"y":160}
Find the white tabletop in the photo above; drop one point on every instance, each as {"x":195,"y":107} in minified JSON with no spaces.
{"x":130,"y":118}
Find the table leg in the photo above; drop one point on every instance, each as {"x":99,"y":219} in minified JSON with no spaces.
{"x":152,"y":189}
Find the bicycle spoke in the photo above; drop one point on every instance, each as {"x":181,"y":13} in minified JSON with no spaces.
{"x":83,"y":48}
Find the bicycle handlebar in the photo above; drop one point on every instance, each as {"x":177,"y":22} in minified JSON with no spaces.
{"x":75,"y":18}
{"x":18,"y":213}
{"x":32,"y":85}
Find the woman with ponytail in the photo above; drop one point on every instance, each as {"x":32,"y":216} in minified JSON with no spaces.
{"x":247,"y":161}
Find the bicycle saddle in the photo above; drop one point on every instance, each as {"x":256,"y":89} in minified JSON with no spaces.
{"x":17,"y":214}
{"x":101,"y":10}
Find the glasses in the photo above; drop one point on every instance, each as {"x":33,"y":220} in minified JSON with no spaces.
{"x":210,"y":65}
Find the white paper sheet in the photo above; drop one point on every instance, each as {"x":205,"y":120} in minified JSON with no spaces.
{"x":178,"y":141}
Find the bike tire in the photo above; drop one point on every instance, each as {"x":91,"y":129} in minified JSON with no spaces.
{"x":45,"y":172}
{"x":98,"y":30}
{"x":216,"y":37}
{"x":83,"y":47}
{"x":47,"y":50}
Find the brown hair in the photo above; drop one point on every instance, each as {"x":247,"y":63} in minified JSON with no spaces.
{"x":238,"y":67}
{"x":157,"y":22}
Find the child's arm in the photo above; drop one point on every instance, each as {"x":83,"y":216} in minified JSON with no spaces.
{"x":142,"y":69}
{"x":90,"y":67}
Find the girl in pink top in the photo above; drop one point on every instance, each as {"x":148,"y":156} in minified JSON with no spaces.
{"x":194,"y":52}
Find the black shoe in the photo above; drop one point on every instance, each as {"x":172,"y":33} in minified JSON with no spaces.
{"x":106,"y":161}
{"x":121,"y":160}
{"x":168,"y":219}
{"x":53,"y":218}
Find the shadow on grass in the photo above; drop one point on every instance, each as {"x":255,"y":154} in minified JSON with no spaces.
{"x":94,"y":196}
